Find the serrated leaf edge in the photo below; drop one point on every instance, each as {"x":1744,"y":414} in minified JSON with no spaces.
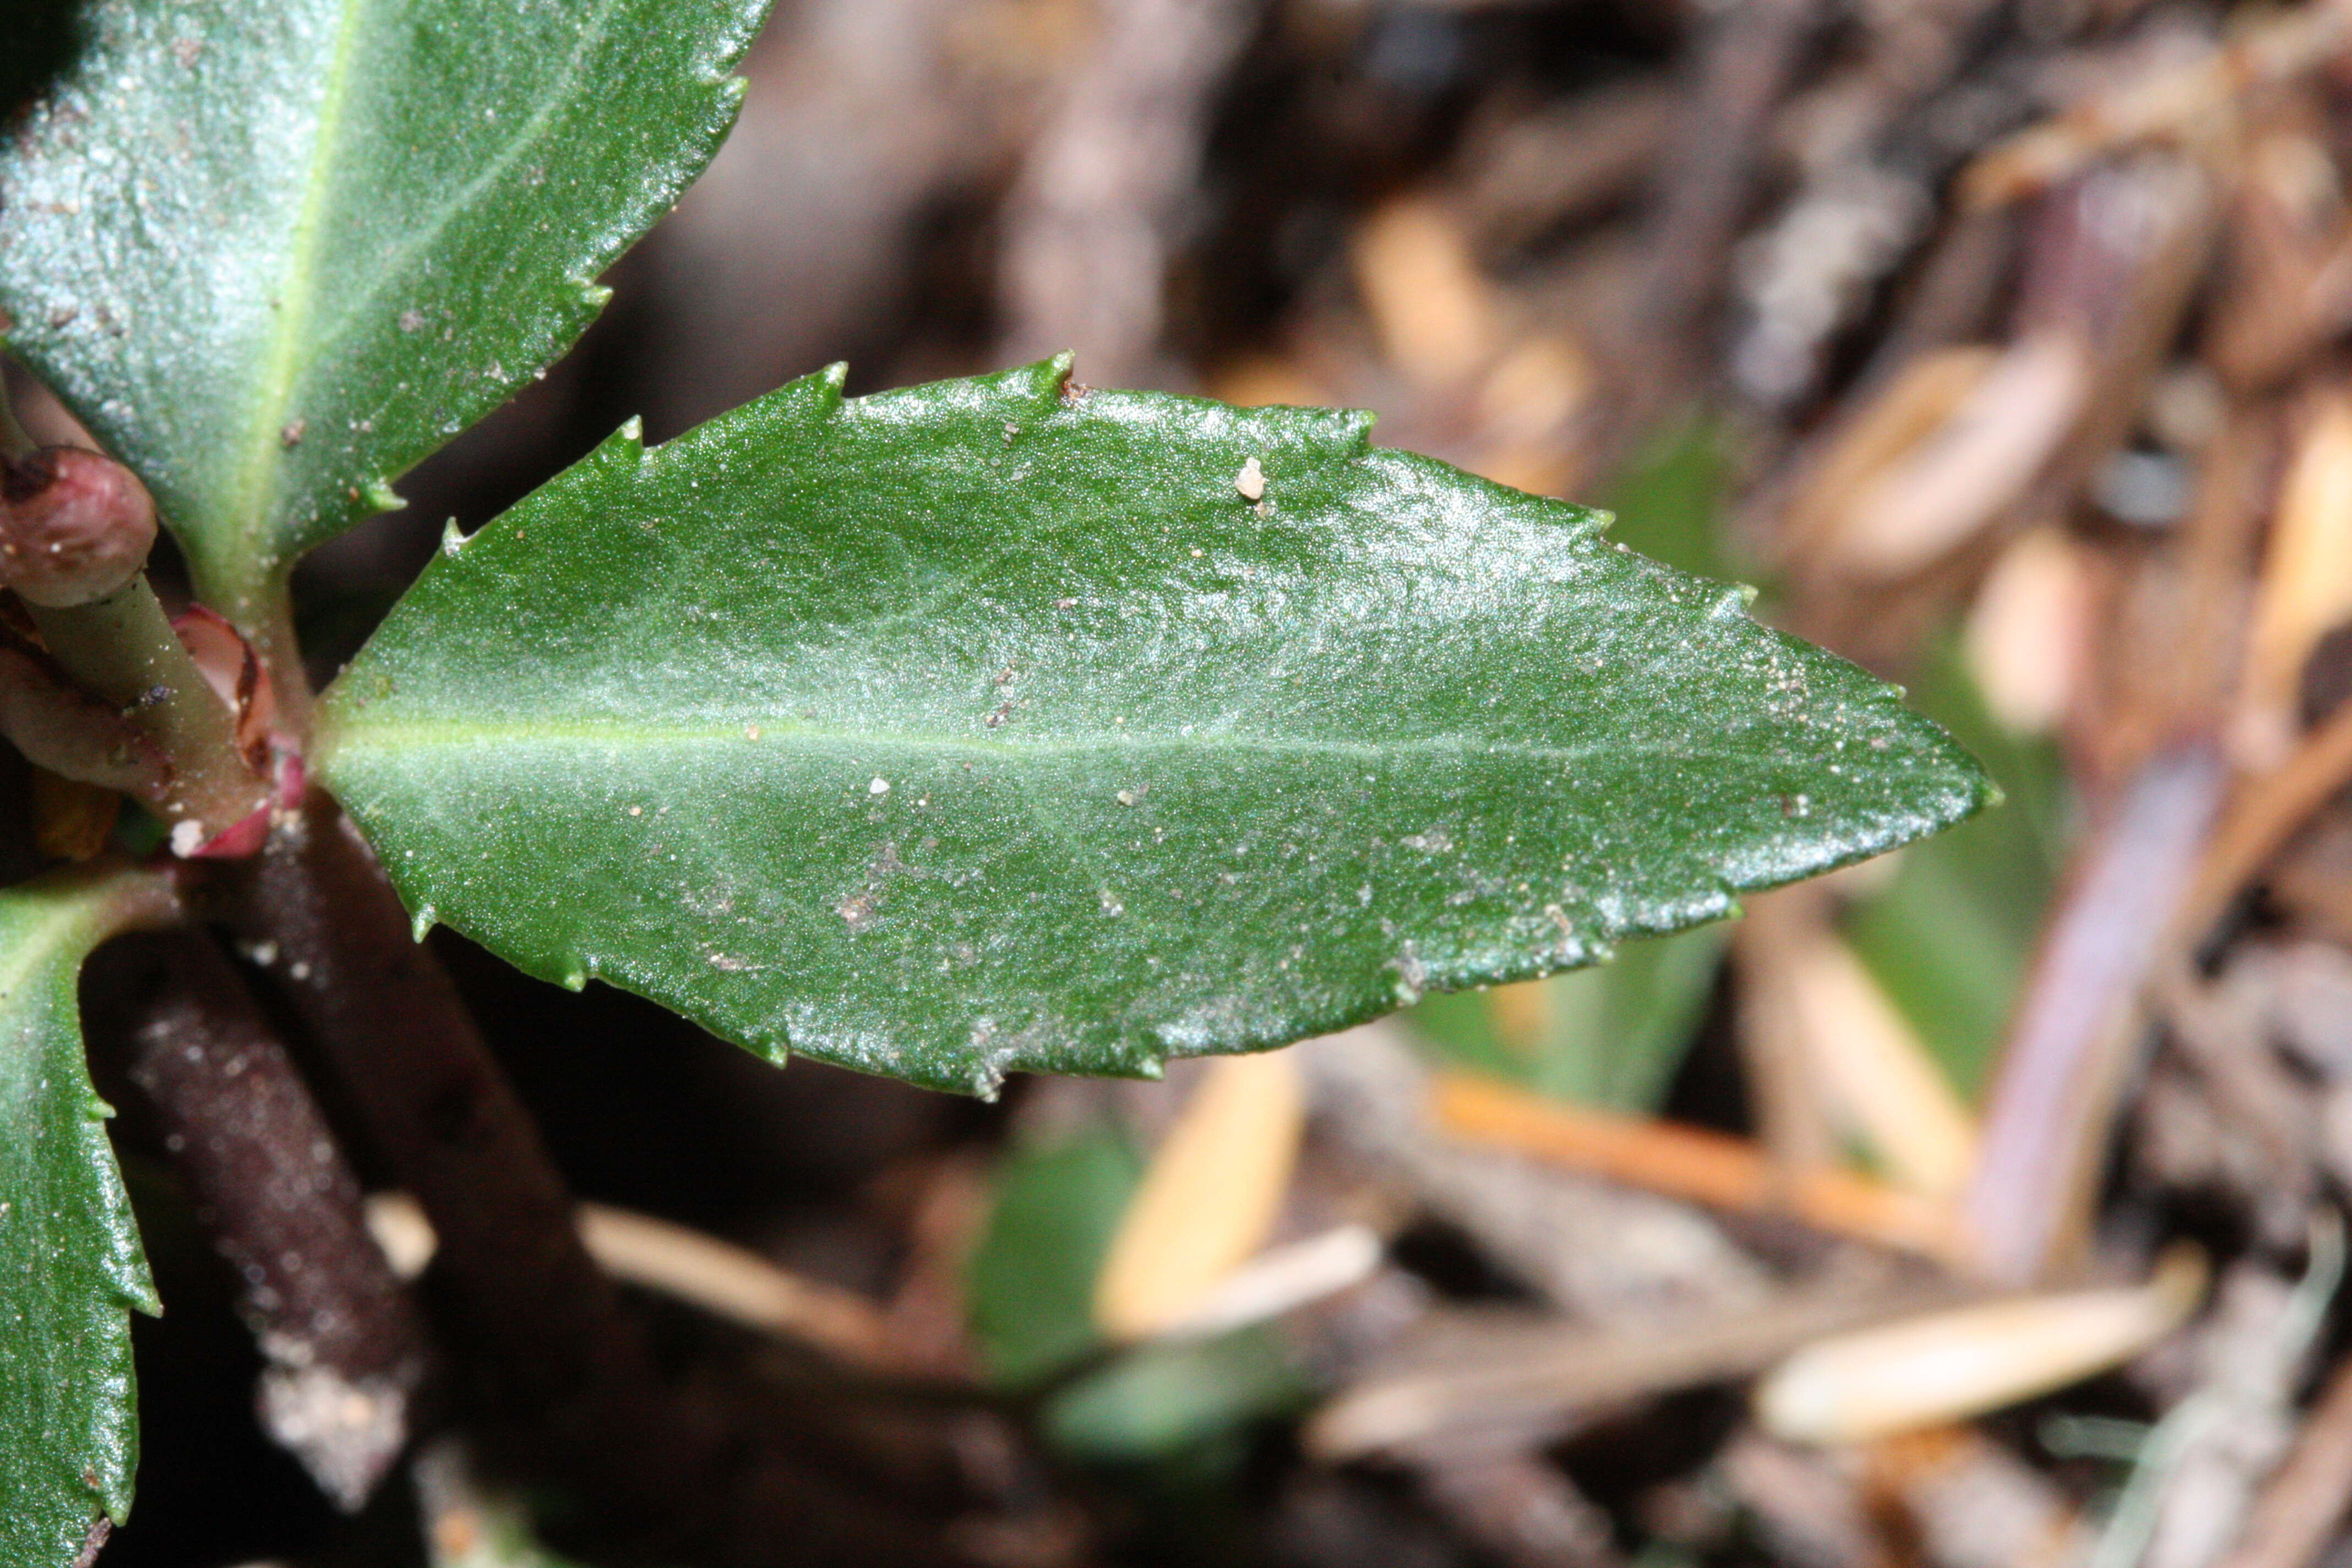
{"x":1050,"y":382}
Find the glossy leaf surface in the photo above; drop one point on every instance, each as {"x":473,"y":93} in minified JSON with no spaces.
{"x":273,"y":255}
{"x":984,"y":727}
{"x":70,"y":1269}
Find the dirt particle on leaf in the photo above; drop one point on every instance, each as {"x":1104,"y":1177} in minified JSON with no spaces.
{"x":291,"y":435}
{"x":412,"y":320}
{"x":878,"y":785}
{"x":751,"y":732}
{"x":1412,"y":975}
{"x":1250,"y":481}
{"x":857,"y":909}
{"x":187,"y":51}
{"x":1434,"y":841}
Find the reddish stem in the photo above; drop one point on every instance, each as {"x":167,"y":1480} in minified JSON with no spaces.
{"x":344,"y":1347}
{"x":555,"y":1360}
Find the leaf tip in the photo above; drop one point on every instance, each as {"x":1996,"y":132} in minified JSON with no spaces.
{"x":421,"y":925}
{"x":452,"y":539}
{"x":594,"y":295}
{"x":383,"y":498}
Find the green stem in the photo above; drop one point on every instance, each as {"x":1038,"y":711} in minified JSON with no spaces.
{"x":15,"y":440}
{"x":270,"y":629}
{"x":122,"y":649}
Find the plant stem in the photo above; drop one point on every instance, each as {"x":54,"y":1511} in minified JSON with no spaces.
{"x":280,"y":651}
{"x":556,"y":1360}
{"x":122,"y":649}
{"x":15,"y":440}
{"x":345,"y":1349}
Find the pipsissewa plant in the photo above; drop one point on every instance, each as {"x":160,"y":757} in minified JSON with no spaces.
{"x":988,"y":726}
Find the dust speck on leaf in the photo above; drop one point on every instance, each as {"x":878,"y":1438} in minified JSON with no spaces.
{"x":1250,"y":482}
{"x":1412,"y":975}
{"x":1434,"y":841}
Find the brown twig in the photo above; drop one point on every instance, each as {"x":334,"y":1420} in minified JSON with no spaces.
{"x":1472,"y":1380}
{"x":2299,"y":1509}
{"x":559,"y":1368}
{"x":2062,"y":1067}
{"x":1522,"y":1508}
{"x":521,"y":1295}
{"x":1090,"y":223}
{"x":345,"y":1351}
{"x":2265,"y":816}
{"x":2182,"y":102}
{"x":1704,"y":181}
{"x":1690,"y":1163}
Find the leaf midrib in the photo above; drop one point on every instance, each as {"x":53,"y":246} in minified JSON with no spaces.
{"x":348,"y":734}
{"x":26,"y":957}
{"x":297,"y":295}
{"x":529,"y":134}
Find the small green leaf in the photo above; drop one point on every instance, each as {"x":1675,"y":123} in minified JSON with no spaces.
{"x":1156,"y":1401}
{"x":273,"y":255}
{"x":989,"y":726}
{"x":1030,"y":1288}
{"x":70,"y":1269}
{"x":1610,"y":1036}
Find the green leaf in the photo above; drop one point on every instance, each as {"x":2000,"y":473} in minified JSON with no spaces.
{"x":1159,"y":1400}
{"x":1030,"y":1286}
{"x":987,"y":726}
{"x":1610,"y":1036}
{"x":1668,"y":503}
{"x":71,"y":1267}
{"x":273,"y":255}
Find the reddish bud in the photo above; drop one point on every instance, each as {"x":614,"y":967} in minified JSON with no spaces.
{"x":74,"y":526}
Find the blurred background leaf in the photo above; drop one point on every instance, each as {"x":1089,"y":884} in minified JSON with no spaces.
{"x":1949,"y":933}
{"x":1031,"y":1284}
